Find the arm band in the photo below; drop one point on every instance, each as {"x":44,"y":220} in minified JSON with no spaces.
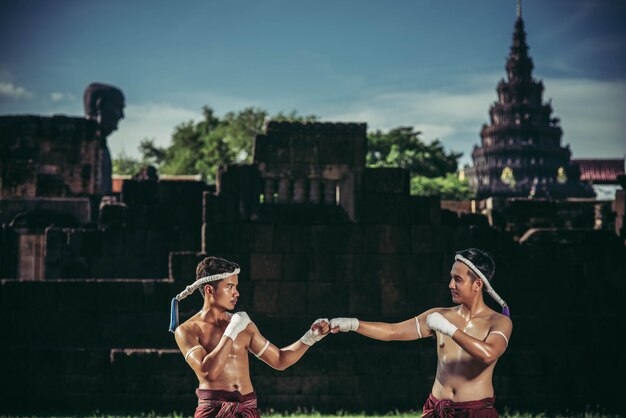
{"x":417,"y":325}
{"x":500,"y":334}
{"x":191,"y":350}
{"x":260,"y":353}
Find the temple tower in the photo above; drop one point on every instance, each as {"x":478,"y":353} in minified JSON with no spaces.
{"x":521,"y":153}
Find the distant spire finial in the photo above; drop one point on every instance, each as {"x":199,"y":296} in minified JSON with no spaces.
{"x":519,"y":9}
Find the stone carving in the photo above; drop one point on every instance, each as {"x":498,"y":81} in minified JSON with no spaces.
{"x":105,"y":105}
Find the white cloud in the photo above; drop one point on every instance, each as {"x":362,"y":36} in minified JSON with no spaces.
{"x":150,"y":120}
{"x":57,"y":97}
{"x":11,"y":91}
{"x":591,"y":113}
{"x":437,"y":114}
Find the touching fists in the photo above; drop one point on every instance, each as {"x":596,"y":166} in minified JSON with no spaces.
{"x":343,"y":324}
{"x":319,"y":329}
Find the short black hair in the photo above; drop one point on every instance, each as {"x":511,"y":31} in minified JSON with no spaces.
{"x":211,"y":266}
{"x":481,"y":259}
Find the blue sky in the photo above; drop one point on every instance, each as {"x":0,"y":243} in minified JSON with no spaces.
{"x":431,"y":64}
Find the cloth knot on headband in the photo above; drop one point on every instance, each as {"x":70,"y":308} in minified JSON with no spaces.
{"x":192,"y":288}
{"x":505,"y":308}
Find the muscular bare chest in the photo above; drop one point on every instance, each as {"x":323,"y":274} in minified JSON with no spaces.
{"x":210,"y":336}
{"x":449,"y":352}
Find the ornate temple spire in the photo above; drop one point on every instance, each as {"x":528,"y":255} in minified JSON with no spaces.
{"x":520,"y":154}
{"x":519,"y":65}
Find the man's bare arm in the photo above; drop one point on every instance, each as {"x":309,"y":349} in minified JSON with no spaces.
{"x":409,"y":330}
{"x":281,"y":358}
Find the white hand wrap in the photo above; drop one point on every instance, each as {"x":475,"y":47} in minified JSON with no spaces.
{"x":437,"y":322}
{"x":238,"y":322}
{"x":311,"y":337}
{"x":345,"y":324}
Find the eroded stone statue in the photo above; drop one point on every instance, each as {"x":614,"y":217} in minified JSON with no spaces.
{"x":104,"y":104}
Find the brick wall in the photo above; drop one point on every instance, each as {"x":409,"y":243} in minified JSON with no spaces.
{"x":88,"y":344}
{"x":48,"y":156}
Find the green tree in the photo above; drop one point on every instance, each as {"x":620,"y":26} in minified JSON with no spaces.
{"x":125,"y":165}
{"x":433,"y":170}
{"x":203,"y":146}
{"x":401,"y":147}
{"x":449,"y":187}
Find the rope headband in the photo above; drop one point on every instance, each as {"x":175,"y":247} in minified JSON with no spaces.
{"x":505,"y":308}
{"x":192,"y":288}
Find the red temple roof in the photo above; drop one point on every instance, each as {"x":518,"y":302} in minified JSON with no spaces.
{"x":600,"y":171}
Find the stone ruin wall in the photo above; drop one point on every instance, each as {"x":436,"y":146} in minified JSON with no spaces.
{"x":48,"y":156}
{"x":102,"y":343}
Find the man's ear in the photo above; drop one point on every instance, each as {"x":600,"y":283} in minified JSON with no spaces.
{"x":208,"y":290}
{"x":478,"y":285}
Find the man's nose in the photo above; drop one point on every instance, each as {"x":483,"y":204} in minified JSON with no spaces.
{"x":451,"y":284}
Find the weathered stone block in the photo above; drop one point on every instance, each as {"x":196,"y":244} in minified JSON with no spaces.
{"x":345,"y":267}
{"x":386,"y":180}
{"x":302,"y":239}
{"x":385,"y":208}
{"x":368,"y":267}
{"x":263,"y":238}
{"x":266,"y":266}
{"x":295,"y":267}
{"x":282,"y":238}
{"x":265,"y":298}
{"x":292,"y":298}
{"x":365,"y":299}
{"x":182,"y":265}
{"x":326,"y":299}
{"x":321,"y":267}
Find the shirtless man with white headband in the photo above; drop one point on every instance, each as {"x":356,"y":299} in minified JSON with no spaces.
{"x":470,"y":338}
{"x":215,"y":343}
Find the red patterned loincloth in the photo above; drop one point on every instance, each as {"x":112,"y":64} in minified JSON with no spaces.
{"x":225,"y":404}
{"x":435,"y":408}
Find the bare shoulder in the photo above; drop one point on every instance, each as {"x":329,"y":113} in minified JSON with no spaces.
{"x":442,"y":311}
{"x":500,"y":322}
{"x":445,"y":311}
{"x":186,"y":331}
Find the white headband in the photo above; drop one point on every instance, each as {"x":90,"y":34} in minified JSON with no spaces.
{"x":203,"y":280}
{"x":492,"y":293}
{"x":192,"y":288}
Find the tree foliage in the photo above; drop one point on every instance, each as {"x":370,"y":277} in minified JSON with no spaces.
{"x":449,"y":187}
{"x":123,"y":164}
{"x":401,"y":147}
{"x":201,"y":147}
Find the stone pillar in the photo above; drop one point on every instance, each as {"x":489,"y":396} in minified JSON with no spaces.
{"x":299,"y":191}
{"x":314,"y":191}
{"x":268,"y":191}
{"x":283,"y":191}
{"x":31,"y":258}
{"x":330,"y":192}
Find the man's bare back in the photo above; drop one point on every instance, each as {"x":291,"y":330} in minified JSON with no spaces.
{"x":460,"y":377}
